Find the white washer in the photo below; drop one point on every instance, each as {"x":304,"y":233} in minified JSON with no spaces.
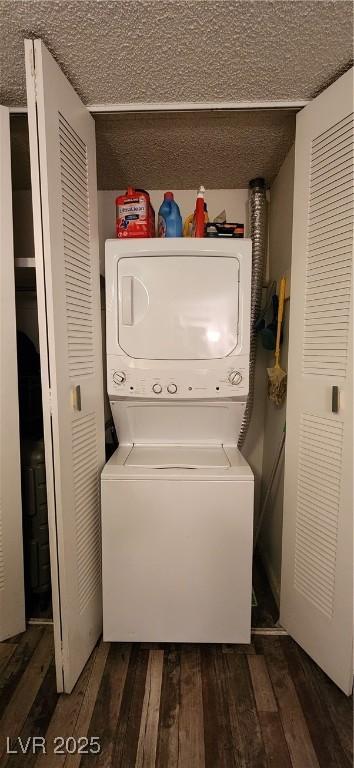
{"x":177,"y":545}
{"x":177,"y":496}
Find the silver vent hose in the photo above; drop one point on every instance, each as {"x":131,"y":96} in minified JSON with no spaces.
{"x":257,"y":217}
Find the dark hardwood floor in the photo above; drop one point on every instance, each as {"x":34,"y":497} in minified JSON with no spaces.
{"x":176,"y":706}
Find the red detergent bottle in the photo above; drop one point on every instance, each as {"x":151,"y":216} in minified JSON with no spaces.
{"x":134,"y":214}
{"x":199,"y":214}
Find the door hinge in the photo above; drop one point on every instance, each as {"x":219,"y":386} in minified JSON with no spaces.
{"x":50,"y":400}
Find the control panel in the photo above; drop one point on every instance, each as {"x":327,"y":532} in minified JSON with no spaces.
{"x":220,"y":381}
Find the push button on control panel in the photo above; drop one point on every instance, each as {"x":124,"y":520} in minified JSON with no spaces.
{"x":157,"y":389}
{"x":172,"y":389}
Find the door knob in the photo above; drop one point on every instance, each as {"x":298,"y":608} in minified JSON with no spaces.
{"x":335,"y":399}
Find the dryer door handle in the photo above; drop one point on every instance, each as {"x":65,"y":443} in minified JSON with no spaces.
{"x":127,"y":300}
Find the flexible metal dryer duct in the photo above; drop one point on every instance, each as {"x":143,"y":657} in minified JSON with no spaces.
{"x":257,"y":213}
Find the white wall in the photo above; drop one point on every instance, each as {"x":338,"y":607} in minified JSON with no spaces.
{"x":280,"y":236}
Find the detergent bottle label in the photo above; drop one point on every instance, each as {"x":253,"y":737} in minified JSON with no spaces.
{"x":161,"y":226}
{"x":134,"y":215}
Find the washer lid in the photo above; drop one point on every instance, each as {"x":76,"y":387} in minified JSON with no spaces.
{"x":177,"y":456}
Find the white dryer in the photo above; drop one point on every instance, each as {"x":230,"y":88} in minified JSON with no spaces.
{"x":177,"y":496}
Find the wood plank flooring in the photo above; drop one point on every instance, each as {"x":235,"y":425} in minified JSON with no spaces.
{"x":176,"y":706}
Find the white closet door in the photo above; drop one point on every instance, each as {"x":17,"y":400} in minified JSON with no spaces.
{"x":63,"y":171}
{"x":12,"y":593}
{"x":317,"y":566}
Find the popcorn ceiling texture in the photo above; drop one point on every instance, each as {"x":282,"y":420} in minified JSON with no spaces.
{"x":179,"y":150}
{"x":184,"y":150}
{"x":186,"y":50}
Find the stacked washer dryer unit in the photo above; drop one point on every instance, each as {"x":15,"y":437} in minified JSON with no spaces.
{"x":177,"y":496}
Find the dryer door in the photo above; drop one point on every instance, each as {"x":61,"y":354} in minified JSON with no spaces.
{"x":178,"y":307}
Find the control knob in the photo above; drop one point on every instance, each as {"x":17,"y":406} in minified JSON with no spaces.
{"x":235,"y":377}
{"x":157,"y":388}
{"x":119,"y":377}
{"x":172,"y":389}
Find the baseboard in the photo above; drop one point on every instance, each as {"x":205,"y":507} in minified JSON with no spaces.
{"x":274,"y":582}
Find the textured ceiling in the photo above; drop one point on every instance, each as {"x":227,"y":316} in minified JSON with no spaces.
{"x":179,"y":150}
{"x":184,"y":150}
{"x":158,"y":50}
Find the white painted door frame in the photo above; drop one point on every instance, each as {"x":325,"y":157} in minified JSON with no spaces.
{"x":12,"y":592}
{"x":188,"y":106}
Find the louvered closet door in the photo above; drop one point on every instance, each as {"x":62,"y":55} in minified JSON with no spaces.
{"x":63,"y":168}
{"x":12,"y":591}
{"x":317,"y":566}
